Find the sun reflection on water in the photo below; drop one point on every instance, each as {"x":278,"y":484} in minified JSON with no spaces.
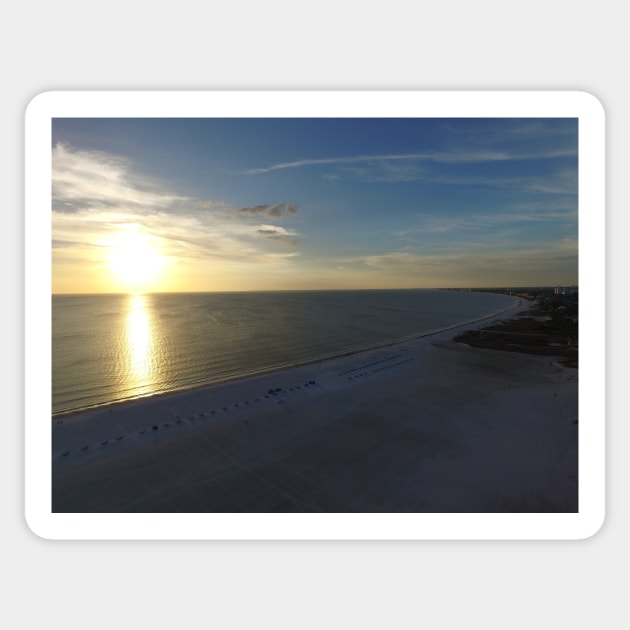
{"x":140,"y":345}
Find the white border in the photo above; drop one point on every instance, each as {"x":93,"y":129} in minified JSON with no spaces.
{"x":280,"y":104}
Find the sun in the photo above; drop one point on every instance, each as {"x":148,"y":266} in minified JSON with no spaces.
{"x":135,"y":260}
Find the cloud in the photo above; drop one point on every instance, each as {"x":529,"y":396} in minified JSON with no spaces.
{"x":387,"y":171}
{"x":271,"y":211}
{"x":278,"y":234}
{"x":96,"y":180}
{"x":445,"y":157}
{"x":561,"y":182}
{"x":470,"y":229}
{"x":96,"y":195}
{"x":538,"y":264}
{"x":211,"y":204}
{"x":336,"y":160}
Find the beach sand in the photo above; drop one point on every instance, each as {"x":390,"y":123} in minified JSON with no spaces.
{"x":427,"y":425}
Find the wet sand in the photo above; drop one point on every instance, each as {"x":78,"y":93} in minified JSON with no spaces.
{"x":428,"y":425}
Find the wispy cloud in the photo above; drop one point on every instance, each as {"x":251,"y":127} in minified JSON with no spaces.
{"x":95,"y":195}
{"x":555,"y":182}
{"x":445,"y":157}
{"x":93,"y":179}
{"x":547,"y":262}
{"x":332,"y":160}
{"x":280,"y":234}
{"x":271,"y":211}
{"x":431,"y":223}
{"x":561,"y":182}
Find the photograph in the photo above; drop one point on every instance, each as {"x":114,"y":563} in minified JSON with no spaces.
{"x":319,"y":315}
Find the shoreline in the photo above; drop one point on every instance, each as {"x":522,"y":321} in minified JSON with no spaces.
{"x":104,"y":425}
{"x":61,"y":415}
{"x":426,"y":425}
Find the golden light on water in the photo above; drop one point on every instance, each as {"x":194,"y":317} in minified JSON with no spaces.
{"x":140,"y":345}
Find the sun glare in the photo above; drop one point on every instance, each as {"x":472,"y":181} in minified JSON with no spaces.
{"x":134,"y":260}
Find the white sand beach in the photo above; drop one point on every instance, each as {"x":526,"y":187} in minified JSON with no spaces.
{"x":427,"y":425}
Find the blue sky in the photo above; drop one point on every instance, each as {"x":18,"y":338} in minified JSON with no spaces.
{"x":245,"y":204}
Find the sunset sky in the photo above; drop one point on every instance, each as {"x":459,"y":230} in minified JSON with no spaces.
{"x":264,"y":204}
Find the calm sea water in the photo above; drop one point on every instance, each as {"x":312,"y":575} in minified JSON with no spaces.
{"x":108,"y":348}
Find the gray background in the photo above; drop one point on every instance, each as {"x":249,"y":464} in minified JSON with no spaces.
{"x":324,"y":45}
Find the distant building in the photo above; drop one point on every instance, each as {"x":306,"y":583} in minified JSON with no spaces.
{"x":564,"y":290}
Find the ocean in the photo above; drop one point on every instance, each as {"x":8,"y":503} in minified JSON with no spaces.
{"x":111,"y":348}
